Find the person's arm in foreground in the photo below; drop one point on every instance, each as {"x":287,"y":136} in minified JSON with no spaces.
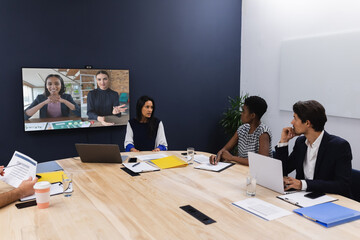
{"x":26,"y":188}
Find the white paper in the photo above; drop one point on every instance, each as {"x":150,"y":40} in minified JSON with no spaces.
{"x":15,"y":175}
{"x":151,"y":156}
{"x":35,"y":126}
{"x":85,"y":124}
{"x":298,"y":199}
{"x":262,"y":209}
{"x":141,"y":167}
{"x":55,"y":188}
{"x":215,"y":168}
{"x":201,"y":159}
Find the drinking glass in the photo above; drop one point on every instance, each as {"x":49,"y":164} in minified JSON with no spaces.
{"x":190,"y":154}
{"x":67,"y":184}
{"x":250,"y":186}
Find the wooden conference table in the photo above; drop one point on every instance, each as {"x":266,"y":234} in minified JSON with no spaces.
{"x":108,"y":203}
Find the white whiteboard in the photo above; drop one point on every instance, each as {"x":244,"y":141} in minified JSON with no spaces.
{"x":325,"y":68}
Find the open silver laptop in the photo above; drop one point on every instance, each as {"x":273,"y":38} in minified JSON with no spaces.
{"x":99,"y":153}
{"x":267,"y":171}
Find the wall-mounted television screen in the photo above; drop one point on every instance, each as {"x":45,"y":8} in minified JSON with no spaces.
{"x":59,"y":98}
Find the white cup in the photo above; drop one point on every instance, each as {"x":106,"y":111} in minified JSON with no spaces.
{"x":42,"y":194}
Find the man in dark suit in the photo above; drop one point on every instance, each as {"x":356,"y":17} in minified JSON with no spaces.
{"x":322,"y":161}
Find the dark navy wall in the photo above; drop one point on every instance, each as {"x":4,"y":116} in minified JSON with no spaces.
{"x":183,"y":53}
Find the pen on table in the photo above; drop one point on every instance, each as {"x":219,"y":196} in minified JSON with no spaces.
{"x":136,"y":164}
{"x":291,"y":201}
{"x":214,"y":163}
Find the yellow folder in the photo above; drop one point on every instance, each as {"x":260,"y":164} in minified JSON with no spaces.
{"x":51,"y":177}
{"x":169,"y":162}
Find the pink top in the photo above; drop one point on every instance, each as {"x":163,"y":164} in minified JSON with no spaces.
{"x":54,"y":110}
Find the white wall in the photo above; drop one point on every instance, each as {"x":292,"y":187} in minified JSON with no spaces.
{"x":265,"y":23}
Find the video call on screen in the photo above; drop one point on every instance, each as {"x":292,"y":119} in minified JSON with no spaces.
{"x":57,"y":98}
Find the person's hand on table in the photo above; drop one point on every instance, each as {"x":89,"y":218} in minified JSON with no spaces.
{"x":2,"y":171}
{"x":156,"y":150}
{"x":134,"y":150}
{"x":215,"y":159}
{"x":292,"y":183}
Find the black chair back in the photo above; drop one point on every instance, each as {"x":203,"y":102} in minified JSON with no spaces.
{"x":355,"y":184}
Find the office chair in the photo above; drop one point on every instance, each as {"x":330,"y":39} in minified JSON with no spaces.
{"x":355,"y":184}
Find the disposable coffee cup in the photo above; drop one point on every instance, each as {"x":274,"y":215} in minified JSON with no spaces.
{"x":42,"y":194}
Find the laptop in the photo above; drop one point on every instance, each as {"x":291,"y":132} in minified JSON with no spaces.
{"x":268,"y":172}
{"x":99,"y":153}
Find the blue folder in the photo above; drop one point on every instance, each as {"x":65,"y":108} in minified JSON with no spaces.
{"x":329,"y":214}
{"x":50,"y":166}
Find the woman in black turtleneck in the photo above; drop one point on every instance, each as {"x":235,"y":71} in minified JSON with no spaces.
{"x":145,"y":132}
{"x":103,"y":101}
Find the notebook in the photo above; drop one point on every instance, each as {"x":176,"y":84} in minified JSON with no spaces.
{"x":215,"y":168}
{"x":99,"y":153}
{"x":169,"y":162}
{"x":141,"y":167}
{"x":298,"y":199}
{"x":268,"y":172}
{"x":51,"y":177}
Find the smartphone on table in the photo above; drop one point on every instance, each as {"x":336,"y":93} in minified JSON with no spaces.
{"x":314,"y":195}
{"x":26,"y":204}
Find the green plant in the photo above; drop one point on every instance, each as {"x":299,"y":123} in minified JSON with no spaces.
{"x":232,"y":116}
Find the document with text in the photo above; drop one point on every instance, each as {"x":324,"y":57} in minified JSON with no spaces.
{"x":140,"y":167}
{"x":215,"y":168}
{"x":262,"y":209}
{"x":201,"y":159}
{"x":299,"y":199}
{"x":149,"y":157}
{"x":23,"y":168}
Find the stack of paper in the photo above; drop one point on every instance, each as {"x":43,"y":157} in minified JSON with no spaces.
{"x":169,"y":162}
{"x":216,"y":168}
{"x":140,"y":167}
{"x":261,"y":208}
{"x":201,"y":159}
{"x":298,"y":199}
{"x":148,"y":157}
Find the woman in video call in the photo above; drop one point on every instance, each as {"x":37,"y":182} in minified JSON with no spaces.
{"x":103,"y":101}
{"x":251,"y":136}
{"x":145,"y":132}
{"x":54,"y":102}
